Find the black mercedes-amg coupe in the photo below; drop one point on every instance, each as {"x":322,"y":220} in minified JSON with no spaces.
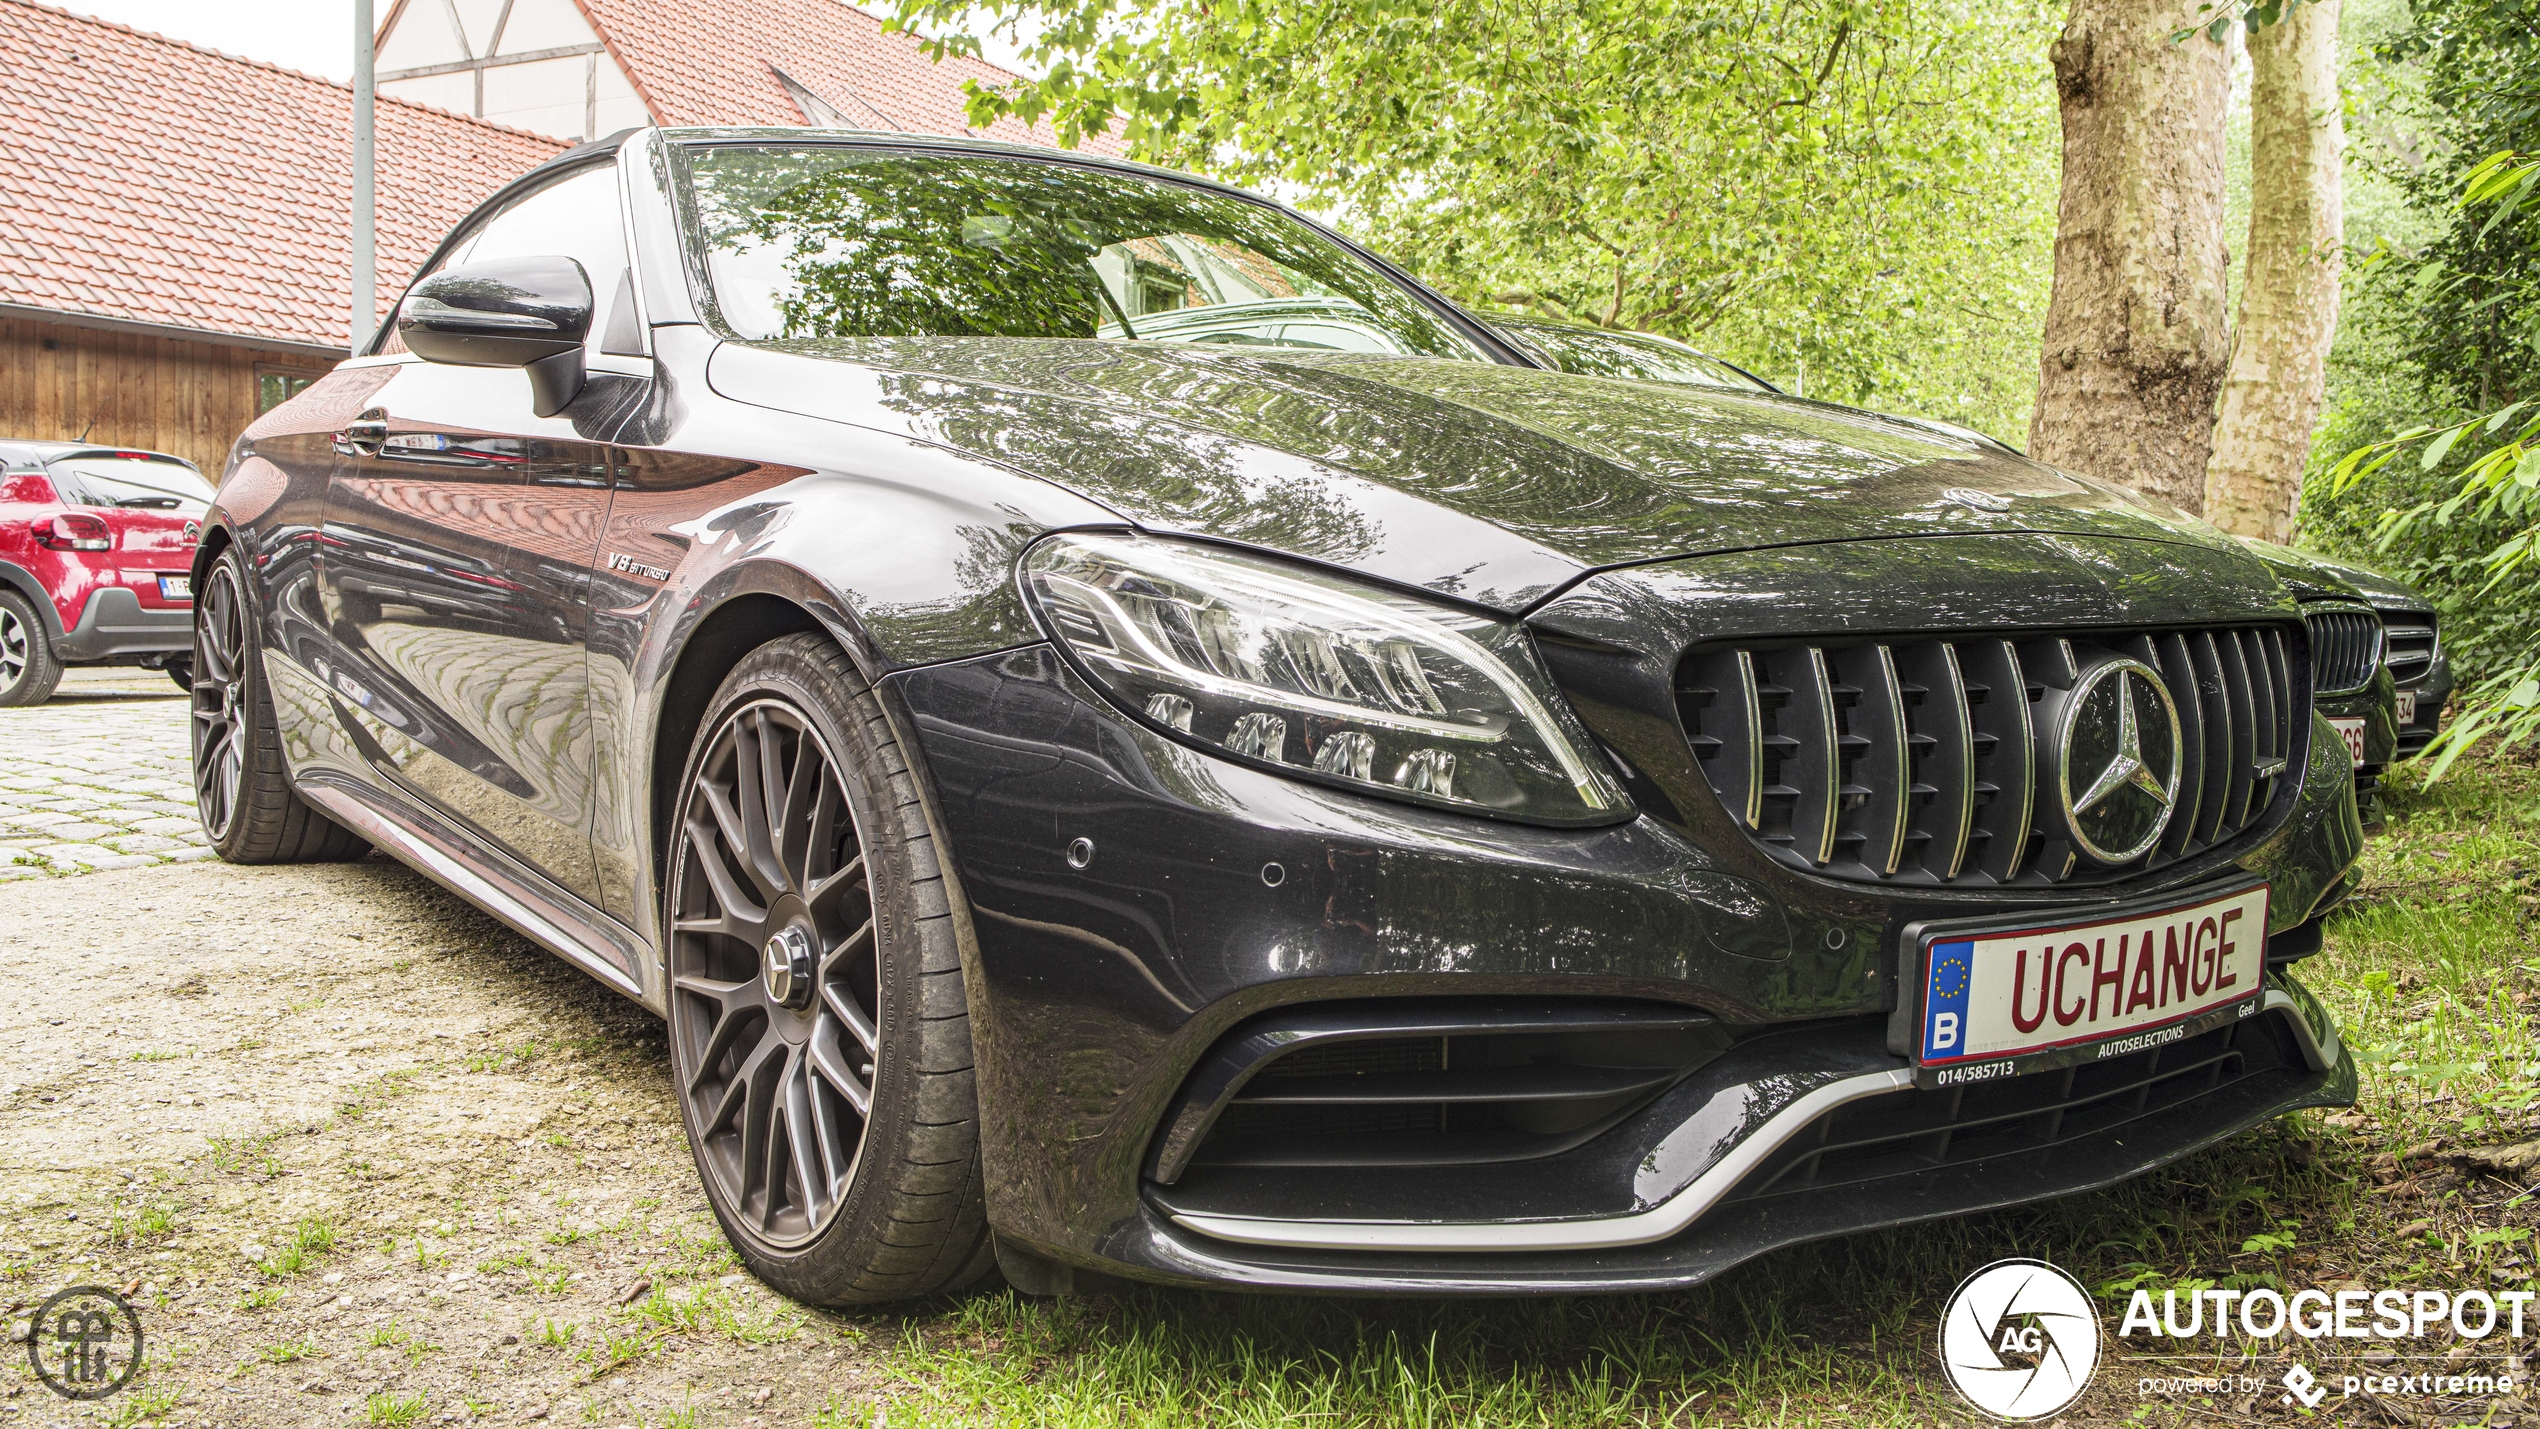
{"x":1098,"y":789}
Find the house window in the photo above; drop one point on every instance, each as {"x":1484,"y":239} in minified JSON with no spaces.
{"x":275,"y":386}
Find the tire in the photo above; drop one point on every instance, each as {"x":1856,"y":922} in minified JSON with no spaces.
{"x":821,"y":1052}
{"x":181,"y":670}
{"x":29,"y":670}
{"x":242,"y":787}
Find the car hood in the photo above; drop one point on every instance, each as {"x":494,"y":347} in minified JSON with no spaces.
{"x":2307,"y":576}
{"x":1496,"y":484}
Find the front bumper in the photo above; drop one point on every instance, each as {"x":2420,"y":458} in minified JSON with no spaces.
{"x":1215,"y":892}
{"x":1765,"y":1185}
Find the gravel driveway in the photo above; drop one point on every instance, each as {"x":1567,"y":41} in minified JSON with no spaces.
{"x":366,"y":1155}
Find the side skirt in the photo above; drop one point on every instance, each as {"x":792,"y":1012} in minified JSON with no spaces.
{"x":545,"y":914}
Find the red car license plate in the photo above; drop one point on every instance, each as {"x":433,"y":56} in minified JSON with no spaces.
{"x":176,"y":587}
{"x":1997,"y":1000}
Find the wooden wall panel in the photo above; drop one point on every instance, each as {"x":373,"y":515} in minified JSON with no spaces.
{"x":131,"y":389}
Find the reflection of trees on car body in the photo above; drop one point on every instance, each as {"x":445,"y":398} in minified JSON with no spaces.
{"x":820,"y":241}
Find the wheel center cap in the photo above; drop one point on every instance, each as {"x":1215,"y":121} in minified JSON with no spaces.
{"x":788,"y":971}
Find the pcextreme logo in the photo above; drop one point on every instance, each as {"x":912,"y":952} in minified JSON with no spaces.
{"x":2020,"y":1340}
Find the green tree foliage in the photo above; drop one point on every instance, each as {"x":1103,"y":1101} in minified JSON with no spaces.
{"x":1862,"y":191}
{"x":2497,"y":490}
{"x":2442,"y":330}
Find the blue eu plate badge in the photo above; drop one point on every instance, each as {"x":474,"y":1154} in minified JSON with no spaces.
{"x":1945,"y":1004}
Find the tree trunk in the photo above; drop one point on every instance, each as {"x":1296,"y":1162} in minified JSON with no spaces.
{"x":2135,"y":330}
{"x":2288,"y":303}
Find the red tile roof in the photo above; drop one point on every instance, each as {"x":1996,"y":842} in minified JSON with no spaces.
{"x":696,"y":62}
{"x":145,"y":179}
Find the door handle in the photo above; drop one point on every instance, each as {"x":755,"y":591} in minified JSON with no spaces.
{"x":365,"y":435}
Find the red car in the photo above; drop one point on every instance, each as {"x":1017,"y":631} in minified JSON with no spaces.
{"x":95,"y":547}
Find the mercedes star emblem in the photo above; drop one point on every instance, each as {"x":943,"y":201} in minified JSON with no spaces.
{"x":2116,"y":763}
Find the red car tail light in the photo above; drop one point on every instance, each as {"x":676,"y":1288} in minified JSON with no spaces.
{"x":73,"y":532}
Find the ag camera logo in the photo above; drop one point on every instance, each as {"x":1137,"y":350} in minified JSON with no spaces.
{"x":2020,"y":1340}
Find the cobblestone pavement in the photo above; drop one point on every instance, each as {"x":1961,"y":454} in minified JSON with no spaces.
{"x":98,"y":777}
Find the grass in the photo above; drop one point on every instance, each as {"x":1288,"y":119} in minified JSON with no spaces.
{"x":391,"y":1085}
{"x":386,"y":1408}
{"x":498,"y":1059}
{"x":263,"y":1297}
{"x":609,"y":1353}
{"x":414,"y":1347}
{"x":704,"y":1309}
{"x":311,"y":1238}
{"x":152,"y":1222}
{"x":288,"y":1351}
{"x":244,"y":1155}
{"x":2433,"y":970}
{"x":142,"y":1403}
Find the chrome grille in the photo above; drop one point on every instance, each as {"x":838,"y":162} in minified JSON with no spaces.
{"x":1919,"y":761}
{"x":2345,"y":646}
{"x":2407,"y":638}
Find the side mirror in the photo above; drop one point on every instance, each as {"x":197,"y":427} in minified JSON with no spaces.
{"x":530,"y":313}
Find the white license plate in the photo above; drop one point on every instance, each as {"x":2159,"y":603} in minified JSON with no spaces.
{"x":1998,"y":1001}
{"x":2407,"y":707}
{"x":2352,"y":731}
{"x":176,"y":587}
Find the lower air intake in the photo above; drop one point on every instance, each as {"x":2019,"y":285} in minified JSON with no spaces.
{"x":1422,"y":1082}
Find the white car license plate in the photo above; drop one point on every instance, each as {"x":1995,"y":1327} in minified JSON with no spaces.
{"x":176,"y":587}
{"x":1997,"y":1001}
{"x":2407,"y":707}
{"x":2352,"y":731}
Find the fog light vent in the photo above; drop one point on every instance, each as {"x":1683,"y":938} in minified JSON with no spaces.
{"x":1426,"y":1082}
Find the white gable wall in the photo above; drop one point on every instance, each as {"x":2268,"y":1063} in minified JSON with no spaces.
{"x":532,"y":64}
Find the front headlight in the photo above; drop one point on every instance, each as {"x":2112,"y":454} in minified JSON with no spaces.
{"x":1321,"y":677}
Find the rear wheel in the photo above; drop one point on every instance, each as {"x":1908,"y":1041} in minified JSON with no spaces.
{"x":242,"y":788}
{"x":180,"y":668}
{"x":29,"y":670}
{"x":818,"y":1028}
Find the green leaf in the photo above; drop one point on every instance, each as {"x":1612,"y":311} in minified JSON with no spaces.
{"x":2440,"y":448}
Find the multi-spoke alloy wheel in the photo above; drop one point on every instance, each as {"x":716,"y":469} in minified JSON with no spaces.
{"x":772,"y":961}
{"x":220,"y":646}
{"x":819,"y":1036}
{"x":242,"y":782}
{"x":13,"y":651}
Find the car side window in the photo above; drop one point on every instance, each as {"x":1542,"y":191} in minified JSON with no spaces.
{"x":577,"y":216}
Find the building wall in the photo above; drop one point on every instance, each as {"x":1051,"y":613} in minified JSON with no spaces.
{"x":191,"y":399}
{"x":476,"y":48}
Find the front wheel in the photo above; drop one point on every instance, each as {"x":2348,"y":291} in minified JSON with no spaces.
{"x":819,"y":1033}
{"x":242,"y":788}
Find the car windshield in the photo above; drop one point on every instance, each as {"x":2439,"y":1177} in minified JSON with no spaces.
{"x":826,"y":241}
{"x":129,"y":479}
{"x":1636,"y":356}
